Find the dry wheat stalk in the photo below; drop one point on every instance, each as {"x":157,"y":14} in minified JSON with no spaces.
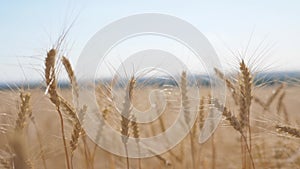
{"x":281,"y":107}
{"x":50,"y":77}
{"x":104,"y":101}
{"x":68,"y":109}
{"x":259,"y":102}
{"x":245,"y":86}
{"x":234,"y":122}
{"x":126,"y":112}
{"x":245,"y":98}
{"x":280,"y":102}
{"x":25,"y":111}
{"x":78,"y":130}
{"x":5,"y":163}
{"x":75,"y":136}
{"x":201,"y":113}
{"x":266,"y":105}
{"x":72,"y":77}
{"x":135,"y":128}
{"x":273,"y":96}
{"x":186,"y":110}
{"x":136,"y":135}
{"x":54,"y":98}
{"x":229,"y":85}
{"x":199,"y":125}
{"x":17,"y":143}
{"x":184,"y":97}
{"x":161,"y":158}
{"x":289,"y":130}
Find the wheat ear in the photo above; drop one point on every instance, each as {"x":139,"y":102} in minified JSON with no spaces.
{"x":234,"y":122}
{"x":5,"y":163}
{"x":72,"y":77}
{"x":245,"y":83}
{"x":54,"y":98}
{"x":289,"y":130}
{"x":79,"y":119}
{"x":17,"y":140}
{"x":126,"y":112}
{"x":24,"y":111}
{"x":186,"y":110}
{"x":245,"y":98}
{"x":229,"y":85}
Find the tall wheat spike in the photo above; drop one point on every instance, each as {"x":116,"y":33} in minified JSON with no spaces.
{"x":17,"y":143}
{"x":17,"y":140}
{"x":245,"y":84}
{"x":126,"y":112}
{"x":184,"y":97}
{"x":54,"y":97}
{"x":245,"y":98}
{"x":77,"y":114}
{"x":186,"y":110}
{"x":24,"y":111}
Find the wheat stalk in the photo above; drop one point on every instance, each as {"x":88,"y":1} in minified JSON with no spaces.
{"x":245,"y":86}
{"x":201,"y":113}
{"x":126,"y":111}
{"x":281,"y":107}
{"x":5,"y":163}
{"x":136,"y":135}
{"x":24,"y":111}
{"x":289,"y":130}
{"x":245,"y":98}
{"x":72,"y":77}
{"x":229,"y":85}
{"x":77,"y":119}
{"x":186,"y":111}
{"x":234,"y":122}
{"x":17,"y":143}
{"x":54,"y":98}
{"x":273,"y":96}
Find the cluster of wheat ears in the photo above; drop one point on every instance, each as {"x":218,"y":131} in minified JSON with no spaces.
{"x":80,"y":152}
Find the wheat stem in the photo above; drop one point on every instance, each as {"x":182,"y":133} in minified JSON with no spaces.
{"x":54,"y":98}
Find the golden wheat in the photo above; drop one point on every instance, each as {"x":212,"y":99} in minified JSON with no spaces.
{"x":54,"y":98}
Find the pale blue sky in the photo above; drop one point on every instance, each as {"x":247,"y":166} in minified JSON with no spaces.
{"x":29,"y":28}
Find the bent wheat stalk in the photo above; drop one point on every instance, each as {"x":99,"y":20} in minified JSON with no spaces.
{"x":235,"y":123}
{"x":77,"y":115}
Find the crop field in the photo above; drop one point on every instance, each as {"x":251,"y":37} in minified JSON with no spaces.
{"x":48,"y":126}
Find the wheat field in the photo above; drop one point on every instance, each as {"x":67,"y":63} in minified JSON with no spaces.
{"x":43,"y":127}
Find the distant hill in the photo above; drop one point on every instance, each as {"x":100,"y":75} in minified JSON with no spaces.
{"x":270,"y":78}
